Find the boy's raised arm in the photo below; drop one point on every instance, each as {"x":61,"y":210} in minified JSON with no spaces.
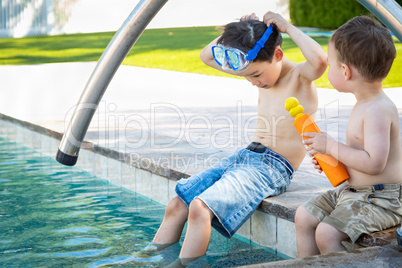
{"x":207,"y":58}
{"x":206,"y":55}
{"x":315,"y":55}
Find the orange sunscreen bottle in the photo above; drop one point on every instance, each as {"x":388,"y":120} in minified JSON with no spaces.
{"x":335,"y":171}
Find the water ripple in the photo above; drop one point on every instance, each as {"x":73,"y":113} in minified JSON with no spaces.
{"x":79,"y":241}
{"x":76,"y":230}
{"x":57,"y":216}
{"x":82,"y":254}
{"x":124,"y":260}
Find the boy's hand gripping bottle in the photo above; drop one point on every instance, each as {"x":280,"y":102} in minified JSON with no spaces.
{"x":333,"y":169}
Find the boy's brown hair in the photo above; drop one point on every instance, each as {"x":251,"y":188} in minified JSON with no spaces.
{"x":366,"y":45}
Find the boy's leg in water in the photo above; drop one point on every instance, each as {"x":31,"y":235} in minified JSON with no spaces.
{"x":181,"y":262}
{"x":172,"y":225}
{"x":198,"y":233}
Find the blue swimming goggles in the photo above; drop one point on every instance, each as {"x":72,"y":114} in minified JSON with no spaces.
{"x":235,"y":59}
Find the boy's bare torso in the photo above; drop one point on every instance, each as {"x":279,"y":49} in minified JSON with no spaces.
{"x":392,"y":172}
{"x":275,"y":127}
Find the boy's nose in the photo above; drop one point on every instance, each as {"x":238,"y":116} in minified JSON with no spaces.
{"x":253,"y":81}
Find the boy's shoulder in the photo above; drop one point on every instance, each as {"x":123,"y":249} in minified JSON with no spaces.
{"x":294,"y":76}
{"x":382,"y":105}
{"x":375,"y":111}
{"x":304,"y":71}
{"x":291,"y":70}
{"x":373,"y":102}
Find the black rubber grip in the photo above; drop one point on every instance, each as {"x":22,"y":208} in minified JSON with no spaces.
{"x":65,"y":159}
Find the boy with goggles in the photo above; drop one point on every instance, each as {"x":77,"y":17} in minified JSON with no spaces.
{"x":227,"y":194}
{"x":235,"y":59}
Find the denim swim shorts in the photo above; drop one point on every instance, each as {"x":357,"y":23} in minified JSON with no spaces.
{"x":234,"y":188}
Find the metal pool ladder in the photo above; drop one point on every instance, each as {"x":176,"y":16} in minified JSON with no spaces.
{"x":100,"y":78}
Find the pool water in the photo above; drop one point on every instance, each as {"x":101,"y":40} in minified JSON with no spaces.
{"x":57,"y":216}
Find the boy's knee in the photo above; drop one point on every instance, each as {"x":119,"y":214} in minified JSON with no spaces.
{"x":304,"y":219}
{"x":176,"y":207}
{"x":199,"y":211}
{"x":320,"y":236}
{"x":326,"y":236}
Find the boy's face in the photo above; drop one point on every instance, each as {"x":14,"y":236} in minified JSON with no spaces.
{"x":263,"y":74}
{"x":335,"y":70}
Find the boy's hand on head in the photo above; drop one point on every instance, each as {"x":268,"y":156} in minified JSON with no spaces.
{"x":251,"y":16}
{"x":318,"y":142}
{"x":277,"y":19}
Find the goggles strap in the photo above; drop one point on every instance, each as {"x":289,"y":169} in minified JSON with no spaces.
{"x":252,"y":53}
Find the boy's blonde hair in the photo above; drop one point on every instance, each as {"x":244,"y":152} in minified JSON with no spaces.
{"x":366,"y":45}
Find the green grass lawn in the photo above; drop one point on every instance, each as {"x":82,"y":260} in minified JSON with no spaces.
{"x":174,"y":49}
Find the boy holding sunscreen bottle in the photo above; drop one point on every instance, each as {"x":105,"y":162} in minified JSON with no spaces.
{"x":360,"y":55}
{"x":227,"y":194}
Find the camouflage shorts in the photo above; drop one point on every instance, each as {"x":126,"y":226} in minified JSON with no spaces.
{"x":357,"y":210}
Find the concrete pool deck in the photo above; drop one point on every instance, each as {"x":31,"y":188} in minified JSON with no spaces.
{"x":172,"y":125}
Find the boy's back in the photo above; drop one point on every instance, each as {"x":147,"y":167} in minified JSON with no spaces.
{"x":379,"y":116}
{"x":360,"y":55}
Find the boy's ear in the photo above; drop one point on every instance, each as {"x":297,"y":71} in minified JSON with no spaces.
{"x":347,"y":71}
{"x":278,"y":54}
